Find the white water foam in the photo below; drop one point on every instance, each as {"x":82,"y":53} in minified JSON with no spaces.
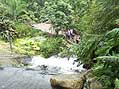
{"x":62,"y":64}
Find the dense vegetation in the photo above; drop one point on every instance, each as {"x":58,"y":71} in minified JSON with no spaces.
{"x":97,"y":21}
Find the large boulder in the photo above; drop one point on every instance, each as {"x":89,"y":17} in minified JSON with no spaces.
{"x":84,"y":80}
{"x":67,"y":81}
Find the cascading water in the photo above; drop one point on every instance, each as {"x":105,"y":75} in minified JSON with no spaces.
{"x":55,"y":65}
{"x":38,"y":77}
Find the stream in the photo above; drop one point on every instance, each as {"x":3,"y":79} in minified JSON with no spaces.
{"x":37,"y":74}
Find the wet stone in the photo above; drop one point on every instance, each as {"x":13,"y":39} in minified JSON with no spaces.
{"x":1,"y":68}
{"x":67,"y":81}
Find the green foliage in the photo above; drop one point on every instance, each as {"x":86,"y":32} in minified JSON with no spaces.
{"x":27,"y":46}
{"x":110,"y":69}
{"x":116,"y":83}
{"x":67,"y":52}
{"x":110,"y":40}
{"x":107,"y":15}
{"x":79,"y":7}
{"x":34,"y":7}
{"x":25,"y":30}
{"x":17,"y":30}
{"x":108,"y":72}
{"x":39,"y":46}
{"x":58,"y":13}
{"x":13,"y":8}
{"x":99,"y":16}
{"x":86,"y":48}
{"x":52,"y":46}
{"x":7,"y":28}
{"x":107,"y":59}
{"x":16,"y":10}
{"x":104,"y":49}
{"x":87,"y":20}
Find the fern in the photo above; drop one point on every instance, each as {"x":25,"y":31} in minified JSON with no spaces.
{"x":86,"y":48}
{"x":108,"y":59}
{"x":109,"y":41}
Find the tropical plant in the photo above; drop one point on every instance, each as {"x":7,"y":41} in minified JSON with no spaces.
{"x":13,"y":8}
{"x":79,"y":8}
{"x":24,"y":30}
{"x":58,"y":13}
{"x":39,"y":46}
{"x":99,"y":16}
{"x":106,"y":45}
{"x":27,"y":46}
{"x":52,"y":46}
{"x":109,"y":43}
{"x":104,"y":50}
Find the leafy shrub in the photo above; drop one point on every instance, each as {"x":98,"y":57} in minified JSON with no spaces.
{"x":52,"y":46}
{"x":107,"y":51}
{"x":58,"y":13}
{"x":25,"y":30}
{"x":116,"y":83}
{"x":27,"y":46}
{"x":106,"y":74}
{"x":85,"y":50}
{"x":104,"y":51}
{"x":39,"y":46}
{"x":7,"y":28}
{"x":109,"y":41}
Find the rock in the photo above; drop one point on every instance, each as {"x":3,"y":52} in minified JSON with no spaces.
{"x":30,"y":69}
{"x":84,"y":80}
{"x":87,"y":66}
{"x":44,"y":67}
{"x":95,"y":85}
{"x":92,"y":82}
{"x":67,"y":81}
{"x":1,"y":68}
